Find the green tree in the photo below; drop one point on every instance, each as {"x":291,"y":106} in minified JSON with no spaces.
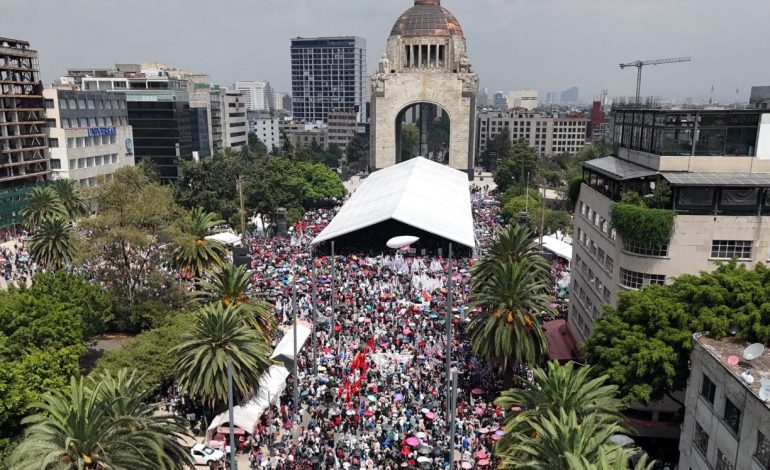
{"x":210,"y":184}
{"x":148,"y":169}
{"x":498,"y":147}
{"x":410,"y":141}
{"x":42,"y":204}
{"x":219,"y":332}
{"x":644,"y":344}
{"x":519,"y":166}
{"x":357,"y":150}
{"x":100,"y":424}
{"x":273,"y":183}
{"x":320,"y":184}
{"x":256,"y":146}
{"x":53,"y":243}
{"x":438,"y":134}
{"x":71,"y":198}
{"x":193,"y":252}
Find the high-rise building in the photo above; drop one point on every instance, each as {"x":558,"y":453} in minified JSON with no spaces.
{"x":548,"y":135}
{"x":727,"y":420}
{"x":328,"y":73}
{"x":235,"y":125}
{"x":89,"y":136}
{"x":710,"y":168}
{"x":569,"y":96}
{"x":258,"y":95}
{"x":501,"y":101}
{"x":526,"y":99}
{"x":277,"y":103}
{"x":483,"y":98}
{"x":23,"y":147}
{"x":217,"y":121}
{"x":199,"y":128}
{"x":287,"y":106}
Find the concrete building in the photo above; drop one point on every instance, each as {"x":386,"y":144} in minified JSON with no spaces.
{"x":258,"y":95}
{"x":425,"y":64}
{"x":717,"y":165}
{"x":287,"y":106}
{"x":549,"y":136}
{"x":277,"y":103}
{"x":501,"y":101}
{"x":527,"y":99}
{"x":235,"y":125}
{"x":308,"y":135}
{"x":727,"y":420}
{"x":341,"y":127}
{"x":23,"y":146}
{"x":217,"y":126}
{"x":328,"y":73}
{"x":89,"y":136}
{"x":268,"y":131}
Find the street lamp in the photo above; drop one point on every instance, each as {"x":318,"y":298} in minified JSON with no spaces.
{"x":449,"y":329}
{"x":295,"y":311}
{"x":315,"y":311}
{"x":230,"y":409}
{"x":452,"y":417}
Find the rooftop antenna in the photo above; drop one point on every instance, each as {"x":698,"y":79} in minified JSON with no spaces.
{"x":750,"y":354}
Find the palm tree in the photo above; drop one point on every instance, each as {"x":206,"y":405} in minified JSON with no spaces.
{"x":506,"y":331}
{"x":149,"y":169}
{"x":558,"y":439}
{"x":70,"y":197}
{"x":98,"y":425}
{"x":513,"y":244}
{"x":230,"y":286}
{"x":42,"y":203}
{"x":604,"y":461}
{"x":53,"y":243}
{"x":560,"y":388}
{"x":194,"y":252}
{"x":219,"y":332}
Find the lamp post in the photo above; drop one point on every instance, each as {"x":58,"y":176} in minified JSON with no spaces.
{"x":449,"y":329}
{"x":452,"y":418}
{"x":230,"y":410}
{"x":331,"y":333}
{"x":295,"y":311}
{"x":315,"y":312}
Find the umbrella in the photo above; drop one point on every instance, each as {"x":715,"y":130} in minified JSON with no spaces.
{"x":480,"y":454}
{"x":499,"y":432}
{"x":421,"y":435}
{"x":423,"y":459}
{"x":477,"y":391}
{"x":484,"y":430}
{"x":430,"y":415}
{"x":516,"y":409}
{"x":424,"y":410}
{"x":483,"y":463}
{"x":372,"y":398}
{"x":478,"y":411}
{"x":398,"y":397}
{"x":466,"y":465}
{"x":412,"y":441}
{"x":404,"y":451}
{"x":424,"y":450}
{"x":368,"y":413}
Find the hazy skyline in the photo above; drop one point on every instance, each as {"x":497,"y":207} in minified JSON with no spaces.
{"x":548,"y":45}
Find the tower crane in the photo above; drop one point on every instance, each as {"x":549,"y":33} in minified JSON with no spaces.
{"x":639,"y":64}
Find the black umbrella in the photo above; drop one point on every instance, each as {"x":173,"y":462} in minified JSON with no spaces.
{"x":424,"y":450}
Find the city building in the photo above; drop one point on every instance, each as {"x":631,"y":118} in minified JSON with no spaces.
{"x":341,"y":127}
{"x":89,"y":137}
{"x":569,"y":96}
{"x":760,"y":97}
{"x":549,"y":136}
{"x":328,"y":73}
{"x":308,"y":135}
{"x":501,"y":101}
{"x":23,"y":145}
{"x":717,"y":167}
{"x":527,"y":99}
{"x":268,"y":131}
{"x":286,"y":99}
{"x":425,"y":64}
{"x":277,"y":102}
{"x":200,"y":132}
{"x":483,"y":101}
{"x":258,"y":95}
{"x":727,"y":420}
{"x":235,"y":125}
{"x":217,"y":136}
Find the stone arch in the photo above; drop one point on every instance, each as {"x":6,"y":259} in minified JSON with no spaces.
{"x":428,"y":118}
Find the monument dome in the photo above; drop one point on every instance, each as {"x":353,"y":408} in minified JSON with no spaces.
{"x":427,"y":18}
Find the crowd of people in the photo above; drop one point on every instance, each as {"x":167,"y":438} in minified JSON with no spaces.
{"x":376,"y":395}
{"x":16,"y":264}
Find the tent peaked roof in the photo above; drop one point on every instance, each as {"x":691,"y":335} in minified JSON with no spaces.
{"x":418,"y":192}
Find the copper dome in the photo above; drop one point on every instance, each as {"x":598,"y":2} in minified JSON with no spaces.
{"x":427,"y":18}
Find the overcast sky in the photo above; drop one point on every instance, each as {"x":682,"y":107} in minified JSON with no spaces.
{"x":548,"y":45}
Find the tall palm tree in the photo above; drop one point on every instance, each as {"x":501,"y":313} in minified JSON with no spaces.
{"x":149,"y":169}
{"x":219,"y":332}
{"x":560,"y":388}
{"x":506,"y":331}
{"x":53,"y":243}
{"x":99,"y":425}
{"x":606,"y":461}
{"x":42,"y":203}
{"x":194,"y":252}
{"x":230,"y":285}
{"x":559,"y":438}
{"x":70,"y":197}
{"x":514,"y":244}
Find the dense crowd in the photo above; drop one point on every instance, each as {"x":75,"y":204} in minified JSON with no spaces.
{"x":378,"y":397}
{"x":16,"y":264}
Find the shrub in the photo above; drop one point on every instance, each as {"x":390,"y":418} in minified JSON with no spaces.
{"x":647,"y":227}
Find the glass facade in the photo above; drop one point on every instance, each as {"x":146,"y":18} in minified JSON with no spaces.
{"x":699,"y":133}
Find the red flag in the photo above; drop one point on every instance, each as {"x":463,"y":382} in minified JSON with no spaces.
{"x":371,"y":344}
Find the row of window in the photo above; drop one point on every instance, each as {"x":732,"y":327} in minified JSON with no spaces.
{"x":72,"y":103}
{"x":660,"y":251}
{"x":82,"y":142}
{"x":89,"y":162}
{"x":637,"y":280}
{"x":605,"y":260}
{"x":79,"y":123}
{"x":592,"y":278}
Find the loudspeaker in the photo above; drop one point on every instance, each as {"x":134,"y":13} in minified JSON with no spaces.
{"x":241,"y":257}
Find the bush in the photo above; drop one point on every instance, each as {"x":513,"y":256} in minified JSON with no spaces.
{"x":647,"y":227}
{"x":573,"y":192}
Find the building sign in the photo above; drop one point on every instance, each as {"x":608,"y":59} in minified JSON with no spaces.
{"x":129,"y":147}
{"x":94,"y":131}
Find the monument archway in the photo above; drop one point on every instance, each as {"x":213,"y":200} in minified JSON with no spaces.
{"x":423,"y":130}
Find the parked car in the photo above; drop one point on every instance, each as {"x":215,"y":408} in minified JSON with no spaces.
{"x":203,"y":455}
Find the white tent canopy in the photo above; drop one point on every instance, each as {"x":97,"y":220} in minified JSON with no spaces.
{"x":226,"y":238}
{"x":271,"y":384}
{"x":558,"y":247}
{"x":421,"y":193}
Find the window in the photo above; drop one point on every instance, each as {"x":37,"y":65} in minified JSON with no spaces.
{"x":91,"y":104}
{"x":55,"y":164}
{"x":726,"y":249}
{"x":708,"y":389}
{"x":609,"y":264}
{"x":63,"y":104}
{"x":53,"y":143}
{"x":50,"y":123}
{"x":70,"y":142}
{"x":723,"y":463}
{"x":763,"y":451}
{"x":635,"y":280}
{"x":637,"y":249}
{"x":732,"y":416}
{"x":49,"y":104}
{"x":701,"y":439}
{"x":72,"y":104}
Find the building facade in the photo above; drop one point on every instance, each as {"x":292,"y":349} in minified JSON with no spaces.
{"x":268,"y":131}
{"x":235,"y":124}
{"x":328,"y":73}
{"x":23,"y":145}
{"x":549,"y":136}
{"x":258,"y":95}
{"x":569,"y":96}
{"x":716,"y":166}
{"x":341,"y":127}
{"x":727,"y":423}
{"x":526,"y":99}
{"x":89,"y":137}
{"x":425,"y":64}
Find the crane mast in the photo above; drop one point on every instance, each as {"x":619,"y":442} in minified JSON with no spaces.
{"x":640,"y":64}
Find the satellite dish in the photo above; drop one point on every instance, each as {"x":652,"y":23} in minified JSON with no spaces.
{"x":399,"y":242}
{"x":733,"y":360}
{"x":753,"y":351}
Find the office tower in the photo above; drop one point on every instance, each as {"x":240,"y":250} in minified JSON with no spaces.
{"x":569,"y":96}
{"x":258,"y":95}
{"x":501,"y":101}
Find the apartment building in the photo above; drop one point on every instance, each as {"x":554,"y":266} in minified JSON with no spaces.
{"x":717,"y":167}
{"x":727,"y":420}
{"x":23,"y":147}
{"x":235,"y":124}
{"x":548,"y":135}
{"x":89,"y":137}
{"x":258,"y":95}
{"x":268,"y":131}
{"x":341,"y":127}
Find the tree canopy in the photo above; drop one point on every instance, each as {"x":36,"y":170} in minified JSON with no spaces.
{"x":644,"y":344}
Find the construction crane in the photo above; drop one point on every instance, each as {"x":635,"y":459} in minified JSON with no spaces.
{"x":639,"y":64}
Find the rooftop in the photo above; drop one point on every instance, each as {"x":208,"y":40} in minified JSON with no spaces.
{"x":723,"y":349}
{"x":427,"y":18}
